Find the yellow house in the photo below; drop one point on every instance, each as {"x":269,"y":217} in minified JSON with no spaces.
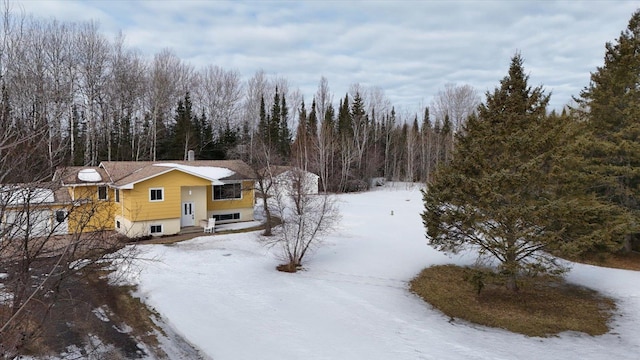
{"x":140,"y":198}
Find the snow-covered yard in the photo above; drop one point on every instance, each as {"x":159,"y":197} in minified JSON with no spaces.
{"x":224,"y":295}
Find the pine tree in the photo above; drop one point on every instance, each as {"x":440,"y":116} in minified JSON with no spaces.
{"x":345,"y":126}
{"x":284,"y":134}
{"x":263,"y":124}
{"x":206,"y":150}
{"x":509,"y":190}
{"x":300,"y":145}
{"x":273,"y":123}
{"x":360,"y":132}
{"x":184,"y":135}
{"x":312,"y":121}
{"x":447,"y":139}
{"x":425,"y":145}
{"x":612,"y":141}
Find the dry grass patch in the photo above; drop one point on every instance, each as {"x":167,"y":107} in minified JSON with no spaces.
{"x":630,"y":261}
{"x":543,"y":306}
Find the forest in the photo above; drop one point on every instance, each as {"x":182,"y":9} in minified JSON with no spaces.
{"x":74,"y":97}
{"x":503,"y":175}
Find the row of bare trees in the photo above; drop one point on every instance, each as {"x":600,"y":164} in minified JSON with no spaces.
{"x":77,"y":98}
{"x":88,"y":99}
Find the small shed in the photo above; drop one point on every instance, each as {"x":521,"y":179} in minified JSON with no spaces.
{"x":289,"y":178}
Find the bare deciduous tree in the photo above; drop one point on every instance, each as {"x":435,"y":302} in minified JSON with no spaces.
{"x":45,"y":242}
{"x":221,"y":95}
{"x":306,"y":219}
{"x":458,"y":101}
{"x":92,"y":50}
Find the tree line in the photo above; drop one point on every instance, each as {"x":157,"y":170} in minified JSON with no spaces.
{"x":73,"y":97}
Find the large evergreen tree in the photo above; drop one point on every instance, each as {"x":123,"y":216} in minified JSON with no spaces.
{"x":611,"y":105}
{"x":508,"y":191}
{"x":184,"y":134}
{"x":274,"y":122}
{"x":284,"y":134}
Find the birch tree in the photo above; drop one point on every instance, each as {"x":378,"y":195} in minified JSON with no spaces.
{"x":221,"y":94}
{"x":93,"y":54}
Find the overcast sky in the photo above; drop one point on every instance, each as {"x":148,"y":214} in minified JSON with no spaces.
{"x":409,"y":49}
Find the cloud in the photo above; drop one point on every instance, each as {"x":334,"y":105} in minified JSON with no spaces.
{"x":410,"y":49}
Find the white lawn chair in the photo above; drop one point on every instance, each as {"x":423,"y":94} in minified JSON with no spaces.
{"x":211,"y":226}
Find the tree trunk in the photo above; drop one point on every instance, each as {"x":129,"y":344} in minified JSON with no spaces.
{"x":267,"y":213}
{"x":512,"y":283}
{"x":510,"y":266}
{"x":627,"y":245}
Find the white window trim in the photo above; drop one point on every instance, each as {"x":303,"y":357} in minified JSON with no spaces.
{"x":161,"y":189}
{"x":116,"y":195}
{"x":213,"y":192}
{"x":156,"y":233}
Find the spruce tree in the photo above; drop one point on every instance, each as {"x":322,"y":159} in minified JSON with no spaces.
{"x":273,"y":123}
{"x":184,"y":137}
{"x":345,"y":125}
{"x":509,"y":191}
{"x":611,"y":105}
{"x":284,"y":134}
{"x":263,"y":125}
{"x":312,"y":121}
{"x":300,"y":145}
{"x":206,"y":148}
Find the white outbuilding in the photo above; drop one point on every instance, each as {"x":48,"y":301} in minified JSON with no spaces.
{"x":289,"y":179}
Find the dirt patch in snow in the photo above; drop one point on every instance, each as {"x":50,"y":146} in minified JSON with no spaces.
{"x":92,"y":319}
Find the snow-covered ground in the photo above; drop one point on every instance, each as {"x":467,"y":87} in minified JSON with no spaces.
{"x":223,"y":294}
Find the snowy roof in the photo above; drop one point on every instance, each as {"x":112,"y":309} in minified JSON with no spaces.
{"x":124,"y":174}
{"x":89,"y":175}
{"x":18,"y":195}
{"x":212,"y":173}
{"x":80,"y":175}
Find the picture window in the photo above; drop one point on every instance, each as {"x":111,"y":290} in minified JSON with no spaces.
{"x":227,"y":191}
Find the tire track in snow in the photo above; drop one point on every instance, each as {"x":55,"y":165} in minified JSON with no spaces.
{"x":333,"y":276}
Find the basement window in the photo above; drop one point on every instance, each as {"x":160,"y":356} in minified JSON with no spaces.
{"x":156,"y":229}
{"x":226,"y":217}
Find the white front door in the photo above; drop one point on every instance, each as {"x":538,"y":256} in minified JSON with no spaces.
{"x":188,"y":218}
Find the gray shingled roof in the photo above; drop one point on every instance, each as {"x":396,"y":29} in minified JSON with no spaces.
{"x":127,"y":172}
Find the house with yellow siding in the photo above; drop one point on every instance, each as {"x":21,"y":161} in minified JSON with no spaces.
{"x":140,"y":198}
